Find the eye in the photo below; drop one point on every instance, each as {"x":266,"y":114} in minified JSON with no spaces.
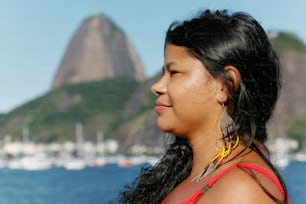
{"x":173,"y":72}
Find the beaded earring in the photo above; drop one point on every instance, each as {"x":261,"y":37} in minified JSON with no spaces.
{"x":229,"y":143}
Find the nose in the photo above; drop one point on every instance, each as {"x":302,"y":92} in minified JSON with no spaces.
{"x":159,"y":87}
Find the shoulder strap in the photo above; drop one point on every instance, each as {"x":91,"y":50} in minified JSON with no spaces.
{"x":265,"y":172}
{"x":214,"y":180}
{"x":247,"y":166}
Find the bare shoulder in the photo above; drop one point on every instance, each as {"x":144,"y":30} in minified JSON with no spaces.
{"x":242,"y":186}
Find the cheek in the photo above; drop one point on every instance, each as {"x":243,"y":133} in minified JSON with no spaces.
{"x":191,"y":102}
{"x":197,"y":92}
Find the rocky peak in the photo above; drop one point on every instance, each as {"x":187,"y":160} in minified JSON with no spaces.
{"x":98,"y":50}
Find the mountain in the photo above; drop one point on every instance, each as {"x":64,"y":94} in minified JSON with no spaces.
{"x":285,"y":42}
{"x":289,"y":118}
{"x":98,"y":50}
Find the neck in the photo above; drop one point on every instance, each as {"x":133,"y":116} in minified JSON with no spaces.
{"x":215,"y":161}
{"x":203,"y":152}
{"x":205,"y":143}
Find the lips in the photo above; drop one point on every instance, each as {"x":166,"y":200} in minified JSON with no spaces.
{"x":159,"y":106}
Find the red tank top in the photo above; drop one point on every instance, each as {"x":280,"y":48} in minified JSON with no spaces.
{"x":197,"y":195}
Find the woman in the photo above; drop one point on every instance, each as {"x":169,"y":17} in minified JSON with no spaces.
{"x":220,"y":83}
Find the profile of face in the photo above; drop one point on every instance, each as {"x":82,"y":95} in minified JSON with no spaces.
{"x":189,"y":98}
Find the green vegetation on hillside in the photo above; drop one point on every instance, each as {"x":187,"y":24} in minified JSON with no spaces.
{"x":284,"y":41}
{"x":52,"y":117}
{"x":297,"y":132}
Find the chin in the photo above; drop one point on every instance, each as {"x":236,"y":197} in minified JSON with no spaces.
{"x":165,"y":128}
{"x":172,"y":131}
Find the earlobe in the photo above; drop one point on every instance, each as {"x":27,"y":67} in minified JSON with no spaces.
{"x":222,"y":95}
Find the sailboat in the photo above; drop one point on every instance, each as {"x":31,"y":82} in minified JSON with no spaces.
{"x":78,"y":162}
{"x":30,"y":159}
{"x":99,"y":157}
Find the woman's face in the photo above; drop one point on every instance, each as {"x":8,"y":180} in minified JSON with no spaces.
{"x":187,"y":94}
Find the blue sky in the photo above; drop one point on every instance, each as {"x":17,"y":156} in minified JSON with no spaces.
{"x":34,"y":33}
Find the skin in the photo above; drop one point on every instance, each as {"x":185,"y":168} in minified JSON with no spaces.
{"x":189,"y":105}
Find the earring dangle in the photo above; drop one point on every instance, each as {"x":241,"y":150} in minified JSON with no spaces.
{"x":227,"y":123}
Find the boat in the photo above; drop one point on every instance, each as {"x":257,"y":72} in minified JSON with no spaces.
{"x":35,"y":162}
{"x":75,"y":164}
{"x":79,"y":162}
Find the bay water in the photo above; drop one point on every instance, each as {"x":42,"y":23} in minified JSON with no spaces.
{"x":99,"y":185}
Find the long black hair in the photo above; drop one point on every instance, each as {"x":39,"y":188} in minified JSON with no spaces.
{"x":220,"y":39}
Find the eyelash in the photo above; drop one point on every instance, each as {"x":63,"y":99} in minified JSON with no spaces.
{"x":171,"y":72}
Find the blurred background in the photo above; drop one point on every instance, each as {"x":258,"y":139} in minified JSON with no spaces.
{"x":76,"y":112}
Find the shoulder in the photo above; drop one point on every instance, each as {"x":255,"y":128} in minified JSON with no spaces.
{"x":242,"y":186}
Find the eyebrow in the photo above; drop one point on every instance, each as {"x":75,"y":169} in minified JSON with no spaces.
{"x":167,"y":66}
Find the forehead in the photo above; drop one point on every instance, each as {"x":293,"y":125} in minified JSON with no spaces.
{"x":179,"y":56}
{"x":172,"y":51}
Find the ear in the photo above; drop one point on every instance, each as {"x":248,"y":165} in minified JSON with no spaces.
{"x":234,"y":74}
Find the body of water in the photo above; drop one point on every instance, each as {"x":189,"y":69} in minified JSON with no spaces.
{"x":98,"y":185}
{"x":60,"y":186}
